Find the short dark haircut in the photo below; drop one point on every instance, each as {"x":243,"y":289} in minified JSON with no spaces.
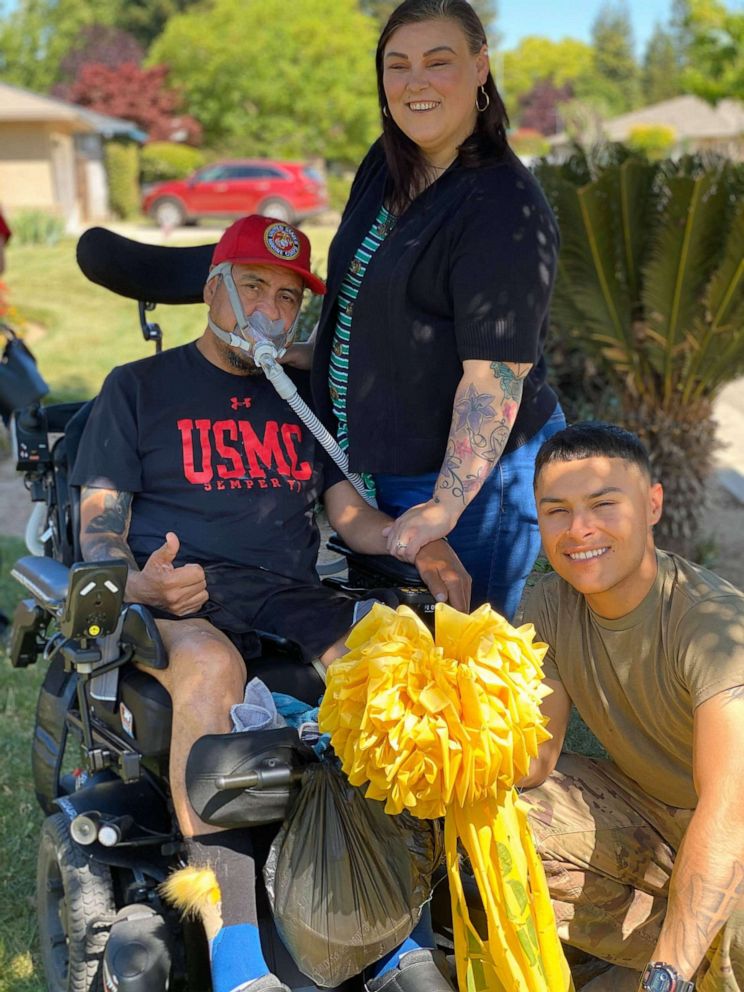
{"x":488,"y":142}
{"x":592,"y":439}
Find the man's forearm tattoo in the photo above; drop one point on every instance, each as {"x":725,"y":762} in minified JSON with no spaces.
{"x":704,"y":909}
{"x":481,"y":424}
{"x":104,"y":535}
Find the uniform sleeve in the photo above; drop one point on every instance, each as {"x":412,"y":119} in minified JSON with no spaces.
{"x":540,"y":609}
{"x":503,"y":265}
{"x":709,"y":647}
{"x":108,"y":449}
{"x":4,"y":230}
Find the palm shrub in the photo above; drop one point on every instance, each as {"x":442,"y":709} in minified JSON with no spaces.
{"x":651,"y":286}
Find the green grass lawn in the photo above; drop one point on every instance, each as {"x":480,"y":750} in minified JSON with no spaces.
{"x":20,"y":815}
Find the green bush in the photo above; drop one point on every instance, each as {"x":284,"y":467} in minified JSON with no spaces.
{"x":122,"y":168}
{"x":653,"y":140}
{"x":35,"y":227}
{"x":162,"y":160}
{"x":338,"y":189}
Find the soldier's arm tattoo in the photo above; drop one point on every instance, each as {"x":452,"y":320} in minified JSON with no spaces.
{"x":482,"y":418}
{"x":105,"y":516}
{"x":698,"y":908}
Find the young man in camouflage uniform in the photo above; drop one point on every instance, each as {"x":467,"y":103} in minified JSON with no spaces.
{"x":644,"y":852}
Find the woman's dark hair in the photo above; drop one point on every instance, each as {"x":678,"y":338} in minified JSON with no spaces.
{"x":406,"y":162}
{"x":593,"y":439}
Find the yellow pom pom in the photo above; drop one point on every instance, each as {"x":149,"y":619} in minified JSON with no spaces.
{"x":192,"y":890}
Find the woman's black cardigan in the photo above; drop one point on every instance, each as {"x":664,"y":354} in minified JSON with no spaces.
{"x":466,"y":273}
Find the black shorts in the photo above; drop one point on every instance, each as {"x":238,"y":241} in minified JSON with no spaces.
{"x":243,"y":600}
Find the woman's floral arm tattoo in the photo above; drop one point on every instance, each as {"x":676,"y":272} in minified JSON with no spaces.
{"x":483,"y":415}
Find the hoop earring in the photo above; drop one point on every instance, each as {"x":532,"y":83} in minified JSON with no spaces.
{"x":385,"y":112}
{"x":487,"y":104}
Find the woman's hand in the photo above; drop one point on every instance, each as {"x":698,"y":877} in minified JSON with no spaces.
{"x":418,"y":526}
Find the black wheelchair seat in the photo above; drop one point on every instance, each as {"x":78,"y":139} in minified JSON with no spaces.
{"x":142,"y":713}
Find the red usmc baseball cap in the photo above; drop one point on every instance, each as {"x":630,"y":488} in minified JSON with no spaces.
{"x":259,"y":240}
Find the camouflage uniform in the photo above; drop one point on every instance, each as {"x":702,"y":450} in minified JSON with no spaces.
{"x":608,"y":851}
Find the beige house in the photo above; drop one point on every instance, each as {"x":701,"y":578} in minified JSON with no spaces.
{"x":51,"y":156}
{"x":697,"y":125}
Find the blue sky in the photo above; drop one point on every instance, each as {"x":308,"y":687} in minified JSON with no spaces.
{"x":558,"y":19}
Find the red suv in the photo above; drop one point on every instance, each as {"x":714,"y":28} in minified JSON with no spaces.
{"x":289,"y":191}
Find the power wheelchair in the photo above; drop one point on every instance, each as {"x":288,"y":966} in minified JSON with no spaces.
{"x":100,"y":755}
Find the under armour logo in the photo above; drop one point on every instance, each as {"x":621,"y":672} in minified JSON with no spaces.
{"x":235,"y":402}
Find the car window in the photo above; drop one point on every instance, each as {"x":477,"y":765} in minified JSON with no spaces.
{"x":253,"y":172}
{"x":211,"y":173}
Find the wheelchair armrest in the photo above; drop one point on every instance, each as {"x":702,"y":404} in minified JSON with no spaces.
{"x":46,"y":579}
{"x":400,"y":573}
{"x":86,"y":598}
{"x":140,"y":632}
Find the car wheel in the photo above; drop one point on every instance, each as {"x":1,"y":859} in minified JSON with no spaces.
{"x":168,"y":213}
{"x":279,"y":209}
{"x":75,"y":906}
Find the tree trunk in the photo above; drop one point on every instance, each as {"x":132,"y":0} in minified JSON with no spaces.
{"x":681,"y":445}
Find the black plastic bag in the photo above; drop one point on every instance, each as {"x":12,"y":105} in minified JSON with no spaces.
{"x":346,"y":881}
{"x":21,"y":383}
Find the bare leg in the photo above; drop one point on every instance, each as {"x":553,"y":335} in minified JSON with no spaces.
{"x":205,"y":677}
{"x":336,"y":650}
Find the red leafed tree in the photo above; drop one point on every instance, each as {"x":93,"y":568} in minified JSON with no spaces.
{"x":136,"y":94}
{"x":540,"y":107}
{"x":100,"y":43}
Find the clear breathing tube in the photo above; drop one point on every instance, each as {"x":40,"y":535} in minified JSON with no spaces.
{"x":265,"y":341}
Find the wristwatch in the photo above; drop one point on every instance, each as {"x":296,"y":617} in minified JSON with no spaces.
{"x":660,"y":977}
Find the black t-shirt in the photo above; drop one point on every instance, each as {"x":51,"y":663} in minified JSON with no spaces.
{"x":220,"y":459}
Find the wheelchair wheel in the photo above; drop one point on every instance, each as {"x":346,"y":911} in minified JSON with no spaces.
{"x":75,"y":906}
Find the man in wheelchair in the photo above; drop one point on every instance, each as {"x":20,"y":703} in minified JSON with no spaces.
{"x":199,"y":476}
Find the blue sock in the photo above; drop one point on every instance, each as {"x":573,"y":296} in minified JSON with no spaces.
{"x":236,"y":957}
{"x":422,"y":935}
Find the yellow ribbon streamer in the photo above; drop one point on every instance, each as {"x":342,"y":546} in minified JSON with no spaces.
{"x":445,"y":727}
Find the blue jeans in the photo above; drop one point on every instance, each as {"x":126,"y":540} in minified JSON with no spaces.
{"x":497,"y":537}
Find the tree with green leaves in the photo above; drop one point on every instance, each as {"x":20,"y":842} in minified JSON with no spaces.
{"x":380,"y":10}
{"x":661,"y":76}
{"x":536,"y":60}
{"x":650,"y":288}
{"x":146,"y":19}
{"x":614,"y":62}
{"x":714,"y":55}
{"x":36,"y":36}
{"x":264,"y":80}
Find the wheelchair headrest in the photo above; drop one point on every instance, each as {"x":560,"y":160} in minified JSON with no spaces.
{"x":148,"y":273}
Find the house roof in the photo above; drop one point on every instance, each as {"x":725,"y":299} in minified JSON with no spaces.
{"x":690,"y":117}
{"x":22,"y":106}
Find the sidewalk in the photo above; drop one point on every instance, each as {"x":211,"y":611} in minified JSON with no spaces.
{"x":729,"y":412}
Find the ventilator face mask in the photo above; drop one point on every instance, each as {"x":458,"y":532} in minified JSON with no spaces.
{"x":256,"y":331}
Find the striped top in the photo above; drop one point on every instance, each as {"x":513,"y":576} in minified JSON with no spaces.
{"x":338,"y":372}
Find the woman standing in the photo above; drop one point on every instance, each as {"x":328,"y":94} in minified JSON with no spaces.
{"x":429,"y":353}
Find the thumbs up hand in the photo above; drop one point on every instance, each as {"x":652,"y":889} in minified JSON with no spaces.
{"x":179,"y":589}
